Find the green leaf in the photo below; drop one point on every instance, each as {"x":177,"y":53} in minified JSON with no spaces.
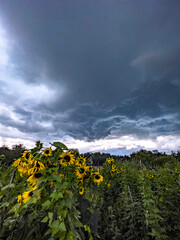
{"x":47,"y":203}
{"x":60,"y":195}
{"x":55,"y":224}
{"x":69,"y":204}
{"x":78,"y":224}
{"x":70,"y":235}
{"x":59,"y":145}
{"x":6,"y":204}
{"x":41,"y":181}
{"x":50,"y":215}
{"x":54,"y":195}
{"x":45,"y":220}
{"x":55,"y":230}
{"x":48,"y":232}
{"x":62,"y":236}
{"x":56,"y":177}
{"x":62,"y":227}
{"x":64,"y":212}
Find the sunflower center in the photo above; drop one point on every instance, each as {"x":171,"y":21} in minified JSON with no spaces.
{"x":27,"y":155}
{"x":47,"y":152}
{"x":37,"y":175}
{"x":67,"y":158}
{"x":97,"y":177}
{"x":85,"y":177}
{"x":81,"y":170}
{"x":31,"y":193}
{"x":37,"y":165}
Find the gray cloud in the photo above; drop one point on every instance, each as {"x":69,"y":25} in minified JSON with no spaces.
{"x":107,"y":68}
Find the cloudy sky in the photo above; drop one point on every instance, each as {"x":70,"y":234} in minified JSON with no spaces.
{"x":98,"y":75}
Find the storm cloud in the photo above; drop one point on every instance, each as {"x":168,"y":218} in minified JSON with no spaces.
{"x":90,"y":71}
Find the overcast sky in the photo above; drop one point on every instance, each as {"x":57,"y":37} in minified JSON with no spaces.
{"x":99,"y":75}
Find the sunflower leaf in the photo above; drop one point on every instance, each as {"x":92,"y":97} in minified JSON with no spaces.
{"x":59,"y":145}
{"x":62,"y":227}
{"x":44,"y":220}
{"x":56,"y":177}
{"x":47,"y":203}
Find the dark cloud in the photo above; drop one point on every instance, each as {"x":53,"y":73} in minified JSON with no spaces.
{"x":116,"y":63}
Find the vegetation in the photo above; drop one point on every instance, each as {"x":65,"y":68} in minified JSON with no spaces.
{"x":55,"y":193}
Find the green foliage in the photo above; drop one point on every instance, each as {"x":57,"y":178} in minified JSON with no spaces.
{"x":132,"y":198}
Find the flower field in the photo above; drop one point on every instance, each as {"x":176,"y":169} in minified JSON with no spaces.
{"x":53,"y":193}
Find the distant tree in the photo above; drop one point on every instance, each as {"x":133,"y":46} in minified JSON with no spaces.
{"x":11,"y":154}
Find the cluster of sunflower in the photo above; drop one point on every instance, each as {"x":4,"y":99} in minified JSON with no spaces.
{"x":29,"y":167}
{"x":149,"y":175}
{"x":84,"y":173}
{"x":114,"y":168}
{"x":33,"y":166}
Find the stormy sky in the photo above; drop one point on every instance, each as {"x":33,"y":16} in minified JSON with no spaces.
{"x":99,"y":75}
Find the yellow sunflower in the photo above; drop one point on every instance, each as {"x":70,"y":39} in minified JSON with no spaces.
{"x":109,"y":160}
{"x":81,"y":190}
{"x":149,"y":175}
{"x":28,"y":194}
{"x":17,"y":162}
{"x":23,"y":168}
{"x":67,"y":159}
{"x":19,"y":200}
{"x":47,"y":152}
{"x":15,"y":209}
{"x":81,"y":171}
{"x":80,"y":181}
{"x":113,"y":168}
{"x":86,"y":177}
{"x":33,"y":179}
{"x":27,"y":155}
{"x":80,"y":161}
{"x":37,"y":165}
{"x":97,"y":178}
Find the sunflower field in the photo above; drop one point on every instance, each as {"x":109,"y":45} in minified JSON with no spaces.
{"x":55,"y":194}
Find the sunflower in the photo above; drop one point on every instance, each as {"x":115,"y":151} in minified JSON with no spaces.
{"x":47,"y":152}
{"x":113,"y":168}
{"x":23,"y":168}
{"x":15,"y":209}
{"x":19,"y":200}
{"x":149,"y":175}
{"x":27,"y":155}
{"x":37,"y":165}
{"x":98,"y":178}
{"x":17,"y":162}
{"x":80,"y":181}
{"x":80,"y":161}
{"x":87,"y":176}
{"x":81,"y":171}
{"x":28,"y":194}
{"x":119,"y":171}
{"x":67,"y":159}
{"x":33,"y":179}
{"x":81,"y":190}
{"x":109,"y":160}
